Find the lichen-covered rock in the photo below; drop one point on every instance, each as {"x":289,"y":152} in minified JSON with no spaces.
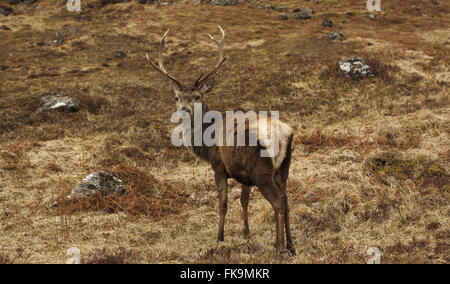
{"x":101,"y":182}
{"x":334,"y":35}
{"x":55,"y":102}
{"x":356,"y":68}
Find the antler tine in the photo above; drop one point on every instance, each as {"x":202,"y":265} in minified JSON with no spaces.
{"x":161,"y":50}
{"x":161,"y":61}
{"x":220,"y":61}
{"x":219,"y":43}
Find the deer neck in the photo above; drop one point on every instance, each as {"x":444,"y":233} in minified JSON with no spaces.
{"x":202,"y":151}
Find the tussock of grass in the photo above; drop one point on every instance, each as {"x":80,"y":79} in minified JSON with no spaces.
{"x":393,"y":164}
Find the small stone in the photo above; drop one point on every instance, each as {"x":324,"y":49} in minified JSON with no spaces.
{"x":101,"y":182}
{"x":327,"y":23}
{"x":303,"y":15}
{"x":334,"y":35}
{"x":356,"y":68}
{"x":119,"y":54}
{"x":22,"y":2}
{"x":371,"y":16}
{"x":283,"y":17}
{"x":224,"y":2}
{"x":55,"y":102}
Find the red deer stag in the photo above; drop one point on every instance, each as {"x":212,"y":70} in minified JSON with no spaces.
{"x":242,"y":163}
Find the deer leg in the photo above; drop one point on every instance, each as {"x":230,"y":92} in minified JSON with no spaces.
{"x":281,"y":182}
{"x":275,"y":196}
{"x":222,"y":186}
{"x":245,"y":196}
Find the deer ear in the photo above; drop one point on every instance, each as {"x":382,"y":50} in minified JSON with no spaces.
{"x":207,"y":86}
{"x":175,"y":86}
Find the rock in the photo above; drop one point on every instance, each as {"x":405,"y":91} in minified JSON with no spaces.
{"x":119,"y":54}
{"x":23,"y":2}
{"x":55,"y":102}
{"x":335,"y":35}
{"x":224,"y":2}
{"x":101,"y":182}
{"x":283,"y":17}
{"x":371,"y":16}
{"x":327,"y":23}
{"x":356,"y":68}
{"x":5,"y":10}
{"x":106,"y":2}
{"x":303,"y":15}
{"x":5,"y":28}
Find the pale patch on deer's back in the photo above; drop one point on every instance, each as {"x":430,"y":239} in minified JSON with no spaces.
{"x":268,"y":137}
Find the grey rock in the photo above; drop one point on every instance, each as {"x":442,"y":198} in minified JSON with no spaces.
{"x":224,"y":2}
{"x":107,"y":2}
{"x":327,"y":23}
{"x":334,"y":35}
{"x":5,"y":10}
{"x":55,"y":102}
{"x":23,"y":2}
{"x":283,"y":17}
{"x":356,"y":68}
{"x":102,"y":182}
{"x":303,"y":14}
{"x":119,"y":54}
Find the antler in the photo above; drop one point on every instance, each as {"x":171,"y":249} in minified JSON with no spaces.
{"x":160,"y":61}
{"x":219,"y":63}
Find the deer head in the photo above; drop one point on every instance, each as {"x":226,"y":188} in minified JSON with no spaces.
{"x":187,"y":95}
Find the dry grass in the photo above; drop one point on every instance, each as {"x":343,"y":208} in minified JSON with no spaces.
{"x":372,"y":161}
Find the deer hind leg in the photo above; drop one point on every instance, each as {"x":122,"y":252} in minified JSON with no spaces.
{"x":281,"y":182}
{"x":275,"y":196}
{"x":222,"y":186}
{"x":245,"y":196}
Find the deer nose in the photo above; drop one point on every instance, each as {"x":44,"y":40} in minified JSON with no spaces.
{"x":185,"y":109}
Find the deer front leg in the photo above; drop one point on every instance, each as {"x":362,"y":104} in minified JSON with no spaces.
{"x":245,"y":196}
{"x":222,"y":187}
